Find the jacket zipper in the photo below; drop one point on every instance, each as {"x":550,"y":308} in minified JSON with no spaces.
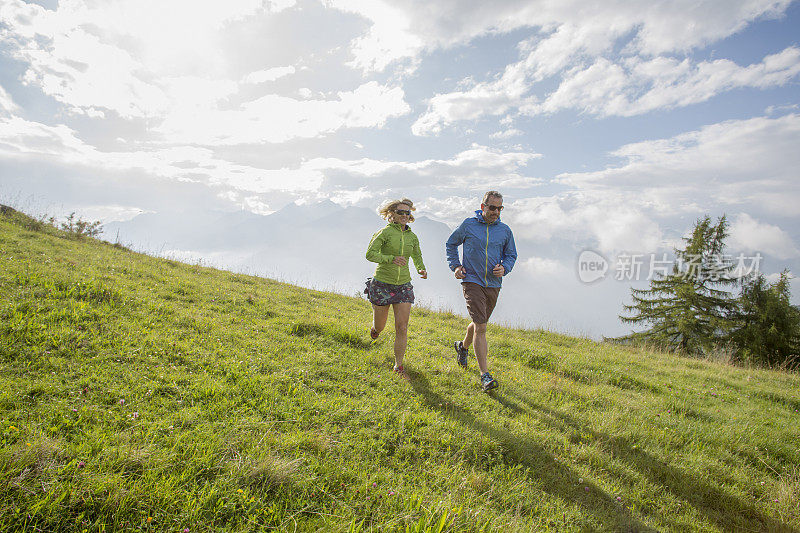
{"x":402,"y":248}
{"x":486,"y":270}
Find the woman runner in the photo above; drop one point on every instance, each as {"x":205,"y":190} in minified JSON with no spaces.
{"x":390,"y":248}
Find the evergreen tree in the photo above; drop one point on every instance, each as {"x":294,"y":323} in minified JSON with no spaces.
{"x":767,"y":325}
{"x":686,"y":310}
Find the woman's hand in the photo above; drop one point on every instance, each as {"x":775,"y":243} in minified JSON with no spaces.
{"x":399,"y":260}
{"x":423,"y":274}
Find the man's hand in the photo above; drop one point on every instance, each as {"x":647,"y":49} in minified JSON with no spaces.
{"x":399,"y":260}
{"x":423,"y":274}
{"x":460,"y":272}
{"x":498,"y":270}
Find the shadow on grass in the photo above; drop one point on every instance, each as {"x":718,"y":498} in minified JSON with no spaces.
{"x":727,"y":512}
{"x":335,"y":334}
{"x":542,"y":468}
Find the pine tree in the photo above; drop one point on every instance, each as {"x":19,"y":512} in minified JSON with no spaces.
{"x":767,"y":325}
{"x":686,"y":310}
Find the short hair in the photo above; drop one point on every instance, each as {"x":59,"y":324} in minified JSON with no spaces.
{"x":491,"y":194}
{"x":387,"y":209}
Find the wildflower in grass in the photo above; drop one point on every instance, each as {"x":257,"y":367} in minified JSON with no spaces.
{"x":135,"y":415}
{"x":619,"y":498}
{"x":122,"y":401}
{"x":13,"y":428}
{"x":81,"y":464}
{"x":374,"y":484}
{"x":149,"y":519}
{"x":240,"y":491}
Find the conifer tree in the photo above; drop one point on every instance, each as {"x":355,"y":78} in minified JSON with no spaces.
{"x":686,"y":309}
{"x":767,"y":325}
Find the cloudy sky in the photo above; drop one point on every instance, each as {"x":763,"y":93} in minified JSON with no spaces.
{"x":609,"y":126}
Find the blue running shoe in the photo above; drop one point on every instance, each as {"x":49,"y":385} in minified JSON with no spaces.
{"x":461,"y":354}
{"x":488,"y":382}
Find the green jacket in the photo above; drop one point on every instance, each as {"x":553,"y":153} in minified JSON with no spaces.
{"x":388,"y":243}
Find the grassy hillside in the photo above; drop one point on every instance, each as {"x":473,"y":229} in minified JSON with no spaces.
{"x":143,"y":394}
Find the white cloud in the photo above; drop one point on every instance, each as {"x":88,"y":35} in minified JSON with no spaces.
{"x":476,"y":168}
{"x":403,"y":29}
{"x":541,"y":266}
{"x":579,"y":43}
{"x":274,"y":118}
{"x":750,"y":235}
{"x":389,"y":37}
{"x":21,"y":139}
{"x":506,"y":134}
{"x":632,"y":86}
{"x":731,"y":163}
{"x":108,"y":213}
{"x":7,"y":104}
{"x":612,"y":222}
{"x":638,"y":86}
{"x":272,"y":74}
{"x":114,"y":55}
{"x":473,"y":168}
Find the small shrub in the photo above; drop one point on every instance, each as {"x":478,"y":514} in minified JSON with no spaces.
{"x":82,"y":228}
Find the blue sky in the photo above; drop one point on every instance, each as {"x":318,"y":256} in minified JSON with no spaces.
{"x":609,"y":126}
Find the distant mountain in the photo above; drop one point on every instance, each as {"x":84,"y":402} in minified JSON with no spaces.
{"x":320,"y":244}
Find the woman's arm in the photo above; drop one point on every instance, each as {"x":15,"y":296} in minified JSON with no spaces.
{"x":374,"y":249}
{"x":416,"y":255}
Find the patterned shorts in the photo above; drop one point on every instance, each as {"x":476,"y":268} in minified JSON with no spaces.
{"x":380,"y":293}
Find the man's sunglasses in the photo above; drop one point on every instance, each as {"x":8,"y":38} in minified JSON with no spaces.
{"x":403,"y":212}
{"x":495,"y":207}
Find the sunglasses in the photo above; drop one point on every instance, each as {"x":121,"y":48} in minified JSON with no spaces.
{"x":495,"y":207}
{"x":403,"y":212}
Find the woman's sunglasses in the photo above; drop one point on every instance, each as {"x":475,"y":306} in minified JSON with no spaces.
{"x":403,"y":212}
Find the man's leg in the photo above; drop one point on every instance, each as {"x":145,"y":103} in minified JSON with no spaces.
{"x":481,"y":346}
{"x":469,"y":336}
{"x":402,"y":312}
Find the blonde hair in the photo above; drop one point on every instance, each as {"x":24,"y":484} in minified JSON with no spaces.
{"x":387,"y":209}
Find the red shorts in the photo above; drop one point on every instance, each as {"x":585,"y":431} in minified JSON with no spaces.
{"x":480,"y":301}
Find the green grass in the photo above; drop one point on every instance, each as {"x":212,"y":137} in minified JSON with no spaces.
{"x":142,"y":394}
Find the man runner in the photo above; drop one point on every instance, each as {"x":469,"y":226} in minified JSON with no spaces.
{"x":489,"y":254}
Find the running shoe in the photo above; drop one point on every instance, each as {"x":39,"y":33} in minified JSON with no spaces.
{"x":372,"y":333}
{"x":488,"y":382}
{"x":461,"y":354}
{"x":399,"y":369}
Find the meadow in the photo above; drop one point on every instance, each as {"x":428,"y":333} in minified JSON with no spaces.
{"x":144,"y":394}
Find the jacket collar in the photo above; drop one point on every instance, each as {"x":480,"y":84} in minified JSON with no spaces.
{"x":479,"y":216}
{"x":399,"y":227}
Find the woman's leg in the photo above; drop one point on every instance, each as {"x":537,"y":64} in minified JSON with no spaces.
{"x":379,"y":315}
{"x":402,"y":312}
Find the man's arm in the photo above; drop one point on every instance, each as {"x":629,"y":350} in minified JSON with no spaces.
{"x":509,"y":253}
{"x":451,"y":246}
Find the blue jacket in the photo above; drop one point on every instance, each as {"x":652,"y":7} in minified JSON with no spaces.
{"x":485,"y":245}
